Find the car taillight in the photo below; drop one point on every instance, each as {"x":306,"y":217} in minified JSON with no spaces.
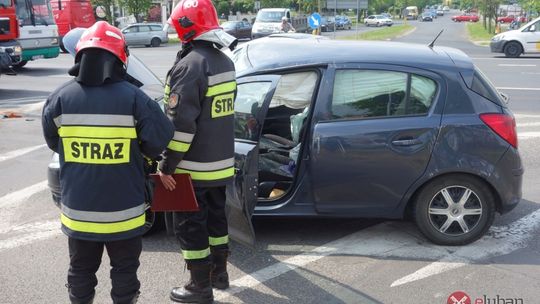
{"x":502,"y":124}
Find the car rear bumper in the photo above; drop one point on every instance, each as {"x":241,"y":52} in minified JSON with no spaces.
{"x":53,"y":179}
{"x":497,"y":46}
{"x":507,"y":180}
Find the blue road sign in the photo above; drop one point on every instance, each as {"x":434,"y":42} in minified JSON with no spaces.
{"x":314,"y":21}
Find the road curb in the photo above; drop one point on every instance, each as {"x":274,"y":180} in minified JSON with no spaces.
{"x":404,"y":34}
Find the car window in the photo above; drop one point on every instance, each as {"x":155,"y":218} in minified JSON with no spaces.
{"x":295,"y":90}
{"x":156,"y":28}
{"x":249,"y":99}
{"x":375,"y":93}
{"x":421,"y":96}
{"x":144,"y":28}
{"x":132,"y":29}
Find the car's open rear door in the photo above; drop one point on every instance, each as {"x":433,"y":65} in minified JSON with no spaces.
{"x":252,"y":102}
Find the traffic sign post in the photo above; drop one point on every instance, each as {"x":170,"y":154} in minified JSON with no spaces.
{"x":314,"y":21}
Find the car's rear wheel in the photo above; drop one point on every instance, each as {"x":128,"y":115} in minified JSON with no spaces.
{"x":155,"y":42}
{"x":454,"y":210}
{"x":20,"y":64}
{"x":512,"y":49}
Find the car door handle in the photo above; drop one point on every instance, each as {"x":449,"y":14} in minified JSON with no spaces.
{"x":406,"y":142}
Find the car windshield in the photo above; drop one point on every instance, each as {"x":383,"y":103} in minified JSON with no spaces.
{"x":228,"y":25}
{"x":5,"y":3}
{"x":265,"y":16}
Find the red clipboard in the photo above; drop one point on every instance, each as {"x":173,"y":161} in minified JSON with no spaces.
{"x":181,"y":199}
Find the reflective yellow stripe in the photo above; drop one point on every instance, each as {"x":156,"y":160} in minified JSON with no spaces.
{"x":103,"y":228}
{"x":223,"y":105}
{"x":96,"y":151}
{"x":221,"y":88}
{"x":167,"y":92}
{"x":215,"y":241}
{"x":178,"y":146}
{"x":208,"y":176}
{"x":97,"y":132}
{"x":195,"y":254}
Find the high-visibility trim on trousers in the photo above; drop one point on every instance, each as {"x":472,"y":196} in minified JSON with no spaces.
{"x":103,"y":228}
{"x":208,"y":176}
{"x":95,"y":120}
{"x":221,"y":88}
{"x":97,"y":132}
{"x":103,"y":217}
{"x":216,"y":241}
{"x":195,"y":254}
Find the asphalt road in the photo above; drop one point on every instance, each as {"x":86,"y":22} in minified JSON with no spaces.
{"x":295,"y":261}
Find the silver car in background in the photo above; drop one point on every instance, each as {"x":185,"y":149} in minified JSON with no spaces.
{"x":147,"y":34}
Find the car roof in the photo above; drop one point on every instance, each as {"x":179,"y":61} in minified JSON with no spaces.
{"x":292,"y":51}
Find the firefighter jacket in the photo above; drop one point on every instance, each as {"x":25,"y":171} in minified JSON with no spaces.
{"x":101,"y":134}
{"x":200,"y":92}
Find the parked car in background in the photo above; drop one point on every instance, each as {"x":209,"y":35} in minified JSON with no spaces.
{"x":343,"y":22}
{"x":327,"y":24}
{"x":426,"y":17}
{"x":466,"y":17}
{"x":387,"y":15}
{"x":412,"y":12}
{"x":378,"y":20}
{"x":511,"y":18}
{"x":446,"y":8}
{"x":440,"y":11}
{"x":521,"y":41}
{"x":147,"y":34}
{"x":238,"y":29}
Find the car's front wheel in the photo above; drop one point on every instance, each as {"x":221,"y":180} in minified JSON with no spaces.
{"x":454,"y":210}
{"x":512,"y":49}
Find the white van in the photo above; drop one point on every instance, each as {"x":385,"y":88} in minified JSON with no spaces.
{"x":525,"y":40}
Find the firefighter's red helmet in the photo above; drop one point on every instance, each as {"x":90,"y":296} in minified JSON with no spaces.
{"x":104,"y":36}
{"x":192,"y":18}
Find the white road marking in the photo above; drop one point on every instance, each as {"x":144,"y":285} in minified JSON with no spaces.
{"x":499,"y":241}
{"x":528,"y":135}
{"x":19,"y":152}
{"x":518,"y":89}
{"x":516,"y":65}
{"x":522,"y":115}
{"x":30,"y":98}
{"x":34,"y":232}
{"x":528,"y":124}
{"x":389,"y":240}
{"x":10,"y":202}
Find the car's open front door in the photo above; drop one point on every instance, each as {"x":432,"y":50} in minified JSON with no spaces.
{"x":252,"y":102}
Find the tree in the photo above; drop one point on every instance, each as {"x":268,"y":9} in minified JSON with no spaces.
{"x":136,"y":7}
{"x":106,"y":4}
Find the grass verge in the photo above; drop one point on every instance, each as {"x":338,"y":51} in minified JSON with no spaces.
{"x":477,"y":32}
{"x":381,"y":34}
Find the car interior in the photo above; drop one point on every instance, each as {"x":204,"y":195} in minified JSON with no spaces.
{"x":283,"y":133}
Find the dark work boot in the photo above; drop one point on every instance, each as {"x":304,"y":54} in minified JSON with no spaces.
{"x":88,"y":299}
{"x":198,"y":289}
{"x":219,"y":276}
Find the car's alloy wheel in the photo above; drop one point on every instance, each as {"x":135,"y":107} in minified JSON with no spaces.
{"x":512,"y":49}
{"x":454,"y":210}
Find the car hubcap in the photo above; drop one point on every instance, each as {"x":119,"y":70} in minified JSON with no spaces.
{"x":455,"y":210}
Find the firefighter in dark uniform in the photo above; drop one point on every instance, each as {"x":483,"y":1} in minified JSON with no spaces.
{"x":200,"y":92}
{"x":101,"y":126}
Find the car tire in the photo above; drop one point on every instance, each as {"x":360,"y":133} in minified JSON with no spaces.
{"x":155,"y":42}
{"x":433,"y":213}
{"x":19,"y":65}
{"x":513,"y":49}
{"x":378,"y":24}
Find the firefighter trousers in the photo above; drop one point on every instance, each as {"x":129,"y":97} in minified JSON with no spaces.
{"x":199,"y":232}
{"x":85,"y":259}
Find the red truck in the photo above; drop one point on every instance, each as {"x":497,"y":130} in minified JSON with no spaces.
{"x":465,"y":17}
{"x":10,"y":50}
{"x":69,"y":14}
